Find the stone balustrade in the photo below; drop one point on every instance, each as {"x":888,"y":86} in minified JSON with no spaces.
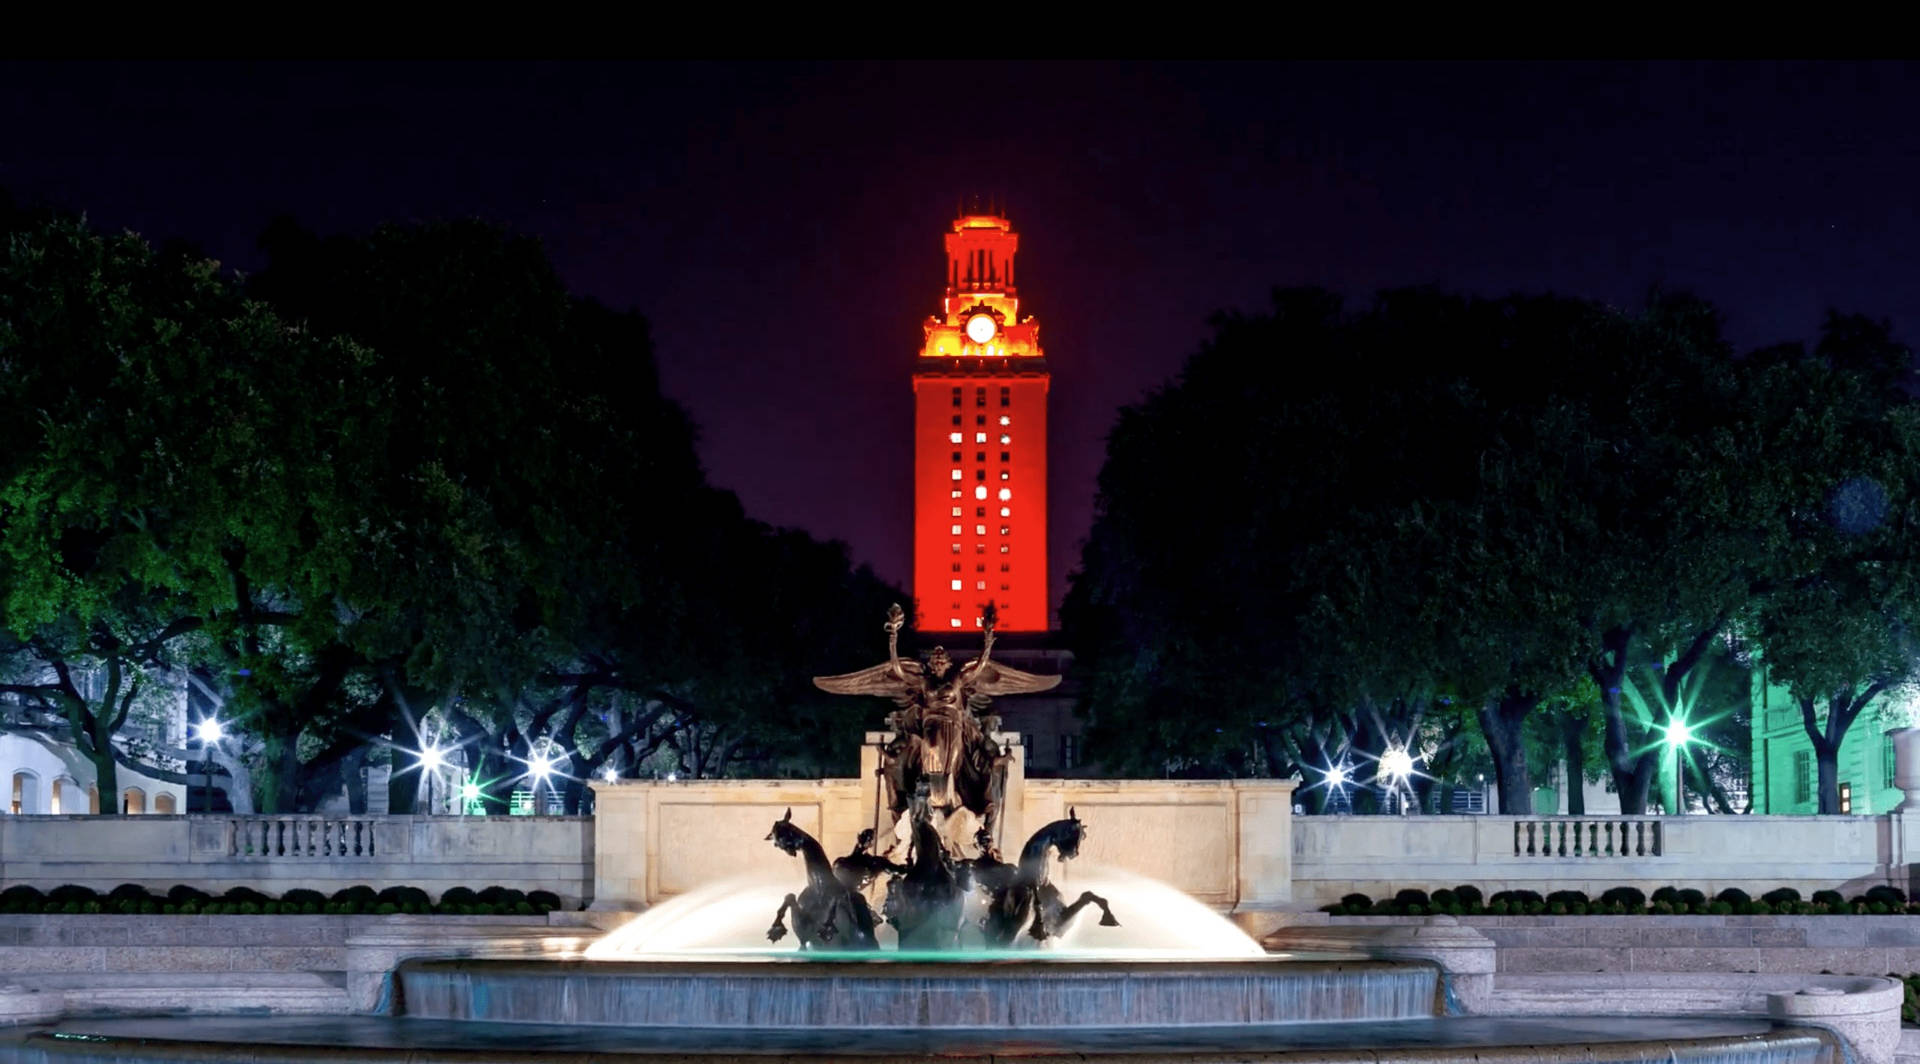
{"x":276,"y":854}
{"x":1599,"y":837}
{"x":310,"y":837}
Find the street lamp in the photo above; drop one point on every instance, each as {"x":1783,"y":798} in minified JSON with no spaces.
{"x":210,"y":732}
{"x":432,"y":760}
{"x":469,"y":791}
{"x":1397,"y":763}
{"x":1678,"y":735}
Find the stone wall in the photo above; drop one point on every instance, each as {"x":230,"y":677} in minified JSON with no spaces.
{"x":1842,"y":945}
{"x":1224,"y":841}
{"x":1378,"y":855}
{"x":275,"y":854}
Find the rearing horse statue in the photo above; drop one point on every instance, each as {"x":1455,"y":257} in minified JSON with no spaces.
{"x":1024,"y":897}
{"x":927,"y":900}
{"x":827,"y":914}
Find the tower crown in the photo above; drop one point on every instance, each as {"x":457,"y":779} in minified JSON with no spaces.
{"x":980,"y":314}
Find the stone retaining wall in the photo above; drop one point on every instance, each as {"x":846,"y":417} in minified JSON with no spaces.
{"x":1843,"y":945}
{"x":49,"y":944}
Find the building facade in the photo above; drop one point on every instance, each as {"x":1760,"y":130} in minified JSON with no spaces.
{"x":1785,"y":776}
{"x":980,"y":444}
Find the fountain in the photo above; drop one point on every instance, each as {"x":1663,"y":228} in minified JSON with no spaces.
{"x":917,"y":944}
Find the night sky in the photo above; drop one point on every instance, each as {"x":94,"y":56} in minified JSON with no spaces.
{"x":780,"y":225}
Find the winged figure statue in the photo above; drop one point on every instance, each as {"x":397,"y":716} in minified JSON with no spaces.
{"x":943,"y":730}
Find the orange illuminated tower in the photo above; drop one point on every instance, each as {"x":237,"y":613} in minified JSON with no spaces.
{"x":980,"y":444}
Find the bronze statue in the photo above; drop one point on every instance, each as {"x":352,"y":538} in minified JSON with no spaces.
{"x":943,"y":732}
{"x":1021,"y":895}
{"x":826,"y":915}
{"x":926,"y":899}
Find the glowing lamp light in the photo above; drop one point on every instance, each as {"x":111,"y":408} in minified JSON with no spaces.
{"x":671,"y":776}
{"x":542,"y":767}
{"x":1337,"y":776}
{"x":1397,"y":763}
{"x":433,"y":759}
{"x":609,"y":774}
{"x":469,"y":792}
{"x":980,"y":328}
{"x":210,"y":730}
{"x":1678,"y":733}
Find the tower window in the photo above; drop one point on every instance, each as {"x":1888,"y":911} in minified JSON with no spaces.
{"x":956,"y":511}
{"x":979,"y":456}
{"x":1006,"y":567}
{"x":1006,"y":438}
{"x":1005,"y":420}
{"x":956,"y":585}
{"x":1006,"y":456}
{"x":979,"y":511}
{"x":956,"y":493}
{"x":979,"y":548}
{"x":978,"y":474}
{"x":956,"y":397}
{"x":955,"y":622}
{"x":956,"y":567}
{"x":953,"y":437}
{"x":956,"y":456}
{"x":1003,"y":530}
{"x":956,"y":530}
{"x":978,"y":437}
{"x":980,"y":419}
{"x":980,"y":567}
{"x":1006,"y":474}
{"x":979,"y":397}
{"x":1006,"y":397}
{"x":956,"y":423}
{"x":1005,"y":494}
{"x":1005,"y":587}
{"x":1004,"y":548}
{"x":979,"y":530}
{"x":979,"y":585}
{"x":956,"y":474}
{"x":1006,"y":511}
{"x":956,"y":548}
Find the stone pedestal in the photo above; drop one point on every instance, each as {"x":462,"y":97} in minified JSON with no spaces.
{"x":1866,"y":1015}
{"x":1906,"y":767}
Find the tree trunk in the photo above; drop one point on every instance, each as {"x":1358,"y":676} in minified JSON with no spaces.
{"x":280,"y":777}
{"x":1573,"y":737}
{"x":106,"y":782}
{"x":353,"y":770}
{"x":1500,"y":722}
{"x":1631,"y":779}
{"x":1826,"y":757}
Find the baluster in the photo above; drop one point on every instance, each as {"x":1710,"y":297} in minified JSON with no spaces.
{"x":368,"y":851}
{"x":1639,"y":838}
{"x":1530,"y":837}
{"x":1517,"y":848}
{"x":1556,"y":839}
{"x":353,"y":849}
{"x":1658,"y":830}
{"x":1579,"y":838}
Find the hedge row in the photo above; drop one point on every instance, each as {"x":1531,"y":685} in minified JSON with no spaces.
{"x":359,"y":900}
{"x":1622,"y":901}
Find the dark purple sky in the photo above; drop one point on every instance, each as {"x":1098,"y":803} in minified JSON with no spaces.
{"x":781,"y":225}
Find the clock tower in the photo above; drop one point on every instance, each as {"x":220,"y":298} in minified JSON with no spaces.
{"x":980,"y":444}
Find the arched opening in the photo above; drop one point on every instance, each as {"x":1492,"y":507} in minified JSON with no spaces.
{"x":133,"y":801}
{"x":163,"y":803}
{"x":93,"y":798}
{"x":66,"y":796}
{"x":26,"y":793}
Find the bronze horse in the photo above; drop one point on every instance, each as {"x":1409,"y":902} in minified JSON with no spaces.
{"x":926,"y":900}
{"x":827,"y":914}
{"x":1024,"y":897}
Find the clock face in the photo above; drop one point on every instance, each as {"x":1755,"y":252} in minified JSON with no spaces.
{"x":980,"y":328}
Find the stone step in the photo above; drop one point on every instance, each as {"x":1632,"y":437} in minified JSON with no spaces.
{"x":266,"y":980}
{"x":151,"y":1000}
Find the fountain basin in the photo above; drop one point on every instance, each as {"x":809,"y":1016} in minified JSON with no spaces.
{"x":996,"y":993}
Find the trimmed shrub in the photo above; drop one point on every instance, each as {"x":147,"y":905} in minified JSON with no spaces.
{"x":508,"y":898}
{"x":243,"y":896}
{"x":1626,"y":899}
{"x":183,"y":895}
{"x":459,"y":896}
{"x":1406,"y":899}
{"x":355,"y":899}
{"x":1568,"y":899}
{"x":1471,"y":899}
{"x":1670,"y":895}
{"x":406,"y":899}
{"x":22,"y":899}
{"x":1781,"y":896}
{"x":302,"y":900}
{"x":1891,"y":897}
{"x":67,"y":892}
{"x":1720,"y":908}
{"x":1351,"y":904}
{"x":1831,"y":899}
{"x":1735,"y":897}
{"x":543,"y":901}
{"x":1694,"y":900}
